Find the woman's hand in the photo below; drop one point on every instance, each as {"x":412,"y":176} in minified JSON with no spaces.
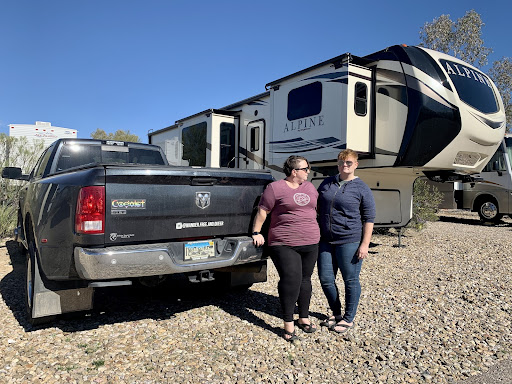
{"x":258,"y":240}
{"x":362,"y":251}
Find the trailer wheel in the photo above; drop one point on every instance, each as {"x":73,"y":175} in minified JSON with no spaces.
{"x":488,"y":210}
{"x":29,"y":287}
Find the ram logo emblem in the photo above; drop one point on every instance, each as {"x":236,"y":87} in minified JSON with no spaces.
{"x":203,"y":199}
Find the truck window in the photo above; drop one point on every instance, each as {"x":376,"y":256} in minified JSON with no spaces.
{"x":76,"y":155}
{"x":305,"y":101}
{"x":227,"y":144}
{"x":194,"y":144}
{"x":39,"y":169}
{"x":145,"y":156}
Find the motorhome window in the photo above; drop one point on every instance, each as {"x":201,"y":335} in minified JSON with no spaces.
{"x":474,"y":88}
{"x":497,"y":162}
{"x":305,"y":101}
{"x":227,"y":145}
{"x":255,"y":139}
{"x":508,"y":146}
{"x":193,"y":139}
{"x":361,"y":99}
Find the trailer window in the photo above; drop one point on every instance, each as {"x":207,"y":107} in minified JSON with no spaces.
{"x":255,"y":139}
{"x":474,"y":88}
{"x":227,"y":145}
{"x":194,"y":144}
{"x":360,"y":99}
{"x":305,"y":101}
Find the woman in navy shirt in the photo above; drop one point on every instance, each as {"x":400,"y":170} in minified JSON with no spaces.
{"x":346,"y":213}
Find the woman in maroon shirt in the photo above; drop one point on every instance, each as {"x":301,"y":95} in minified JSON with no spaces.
{"x":293,"y":239}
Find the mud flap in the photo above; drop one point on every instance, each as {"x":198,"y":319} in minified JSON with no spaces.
{"x":246,"y":274}
{"x":48,"y":302}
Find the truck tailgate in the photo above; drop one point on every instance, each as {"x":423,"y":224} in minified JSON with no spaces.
{"x":161,"y":204}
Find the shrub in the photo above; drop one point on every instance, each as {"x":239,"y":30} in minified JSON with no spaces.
{"x":14,"y":152}
{"x":425,"y":203}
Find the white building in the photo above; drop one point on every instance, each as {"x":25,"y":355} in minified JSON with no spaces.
{"x":41,"y":130}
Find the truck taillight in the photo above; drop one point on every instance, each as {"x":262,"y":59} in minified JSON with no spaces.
{"x":90,"y":210}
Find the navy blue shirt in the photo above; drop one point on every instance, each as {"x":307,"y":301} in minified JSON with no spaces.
{"x":343,"y":207}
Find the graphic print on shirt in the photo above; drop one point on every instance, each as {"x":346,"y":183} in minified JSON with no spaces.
{"x":301,"y":199}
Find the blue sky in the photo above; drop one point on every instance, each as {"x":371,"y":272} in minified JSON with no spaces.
{"x":141,"y":65}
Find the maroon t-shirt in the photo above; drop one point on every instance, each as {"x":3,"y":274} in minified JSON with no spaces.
{"x":292,"y":213}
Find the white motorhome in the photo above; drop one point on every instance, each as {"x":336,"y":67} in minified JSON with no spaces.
{"x":491,"y":193}
{"x":407,"y":111}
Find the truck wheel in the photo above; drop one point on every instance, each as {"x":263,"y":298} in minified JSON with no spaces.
{"x":29,"y":287}
{"x":488,"y":211}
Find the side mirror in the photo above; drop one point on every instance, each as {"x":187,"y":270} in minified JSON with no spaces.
{"x":13,"y":173}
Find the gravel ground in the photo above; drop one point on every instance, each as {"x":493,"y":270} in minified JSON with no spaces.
{"x":438,"y":310}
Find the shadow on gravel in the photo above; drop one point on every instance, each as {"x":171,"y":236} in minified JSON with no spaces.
{"x":131,"y":303}
{"x":470,"y":221}
{"x":12,"y":285}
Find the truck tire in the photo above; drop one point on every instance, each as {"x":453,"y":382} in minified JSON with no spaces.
{"x":22,"y":251}
{"x":488,"y":211}
{"x":29,"y":287}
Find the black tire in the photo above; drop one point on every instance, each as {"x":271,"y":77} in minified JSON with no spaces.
{"x":21,"y":249}
{"x":30,"y":275}
{"x":488,"y":210}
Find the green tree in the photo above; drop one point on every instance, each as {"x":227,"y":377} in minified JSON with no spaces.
{"x":463,"y":39}
{"x":501,"y":74}
{"x":120,"y":135}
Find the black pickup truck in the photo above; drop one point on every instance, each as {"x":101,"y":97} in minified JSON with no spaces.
{"x":106,"y":213}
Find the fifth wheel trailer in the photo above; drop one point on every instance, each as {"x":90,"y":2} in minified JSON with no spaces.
{"x":407,"y":111}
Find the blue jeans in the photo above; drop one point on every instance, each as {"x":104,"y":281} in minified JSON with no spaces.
{"x":342,"y":256}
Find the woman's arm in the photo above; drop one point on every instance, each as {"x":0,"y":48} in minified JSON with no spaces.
{"x":260,"y":218}
{"x":362,"y":251}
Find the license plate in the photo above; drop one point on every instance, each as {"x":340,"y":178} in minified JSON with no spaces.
{"x":198,"y":250}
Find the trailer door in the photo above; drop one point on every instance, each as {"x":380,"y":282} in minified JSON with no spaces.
{"x":359,"y":112}
{"x":253,"y":155}
{"x":223,"y":140}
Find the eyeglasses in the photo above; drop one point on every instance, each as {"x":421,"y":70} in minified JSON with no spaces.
{"x":348,"y":163}
{"x":305,"y":169}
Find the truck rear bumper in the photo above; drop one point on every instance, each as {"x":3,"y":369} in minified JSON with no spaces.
{"x":164,"y":258}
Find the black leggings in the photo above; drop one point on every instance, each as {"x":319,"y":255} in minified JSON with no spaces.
{"x":295,"y":266}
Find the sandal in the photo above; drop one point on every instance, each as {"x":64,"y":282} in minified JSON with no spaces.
{"x":344,"y":328}
{"x":308,"y":328}
{"x":330,"y":321}
{"x":293,"y":336}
